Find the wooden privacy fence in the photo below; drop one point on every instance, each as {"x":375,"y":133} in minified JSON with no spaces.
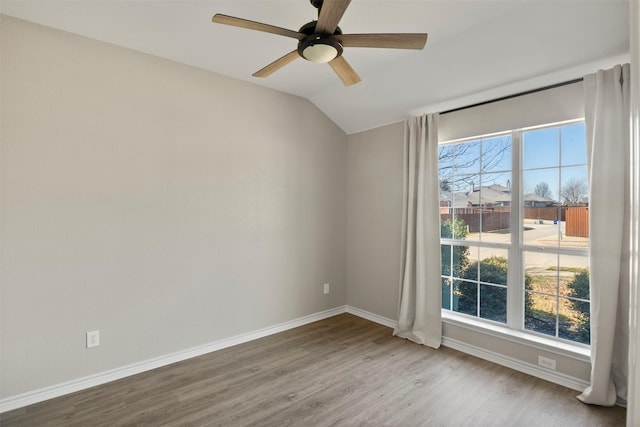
{"x":549,"y":213}
{"x":491,"y":221}
{"x":576,"y":218}
{"x":577,"y":224}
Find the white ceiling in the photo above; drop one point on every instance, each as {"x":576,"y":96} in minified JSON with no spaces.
{"x":477,"y":49}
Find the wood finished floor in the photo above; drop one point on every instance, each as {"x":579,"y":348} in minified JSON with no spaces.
{"x":342,"y":371}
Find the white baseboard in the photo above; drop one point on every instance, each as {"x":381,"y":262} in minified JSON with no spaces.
{"x":500,"y":359}
{"x":517,"y":365}
{"x":371,"y":316}
{"x":40,"y":395}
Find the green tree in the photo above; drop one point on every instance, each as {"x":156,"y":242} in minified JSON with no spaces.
{"x":493,"y":299}
{"x":454,"y":259}
{"x":492,"y":270}
{"x":457,"y":228}
{"x":579,"y":288}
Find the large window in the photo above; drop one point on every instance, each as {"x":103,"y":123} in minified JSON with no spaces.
{"x":514,"y":230}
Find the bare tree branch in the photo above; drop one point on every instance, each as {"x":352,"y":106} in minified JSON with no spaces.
{"x":574,"y":191}
{"x":543,"y":190}
{"x":461,"y":165}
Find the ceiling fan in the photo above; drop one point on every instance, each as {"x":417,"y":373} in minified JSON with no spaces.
{"x":322,"y":41}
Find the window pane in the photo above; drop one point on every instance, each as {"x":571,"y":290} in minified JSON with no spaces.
{"x":445,"y":258}
{"x":461,"y":186}
{"x":496,"y":225}
{"x":466,"y":160}
{"x":575,"y":227}
{"x":540,"y":207}
{"x":495,"y":217}
{"x":557,"y":287}
{"x":575,"y":326}
{"x":445,"y":175}
{"x":465,"y":263}
{"x":574,"y":310}
{"x":460,"y":260}
{"x":446,"y":293}
{"x":541,"y":272}
{"x":496,"y":154}
{"x":575,"y":186}
{"x":541,"y":277}
{"x":541,"y":187}
{"x":542,"y":232}
{"x":446,"y":221}
{"x":446,"y":226}
{"x":466,"y":224}
{"x":493,"y":303}
{"x":574,"y":147}
{"x":487,"y":268}
{"x":465,"y":297}
{"x":540,"y":313}
{"x":575,"y":212}
{"x":467,"y":212}
{"x":445,"y":161}
{"x":493,"y":267}
{"x":541,"y":148}
{"x":574,"y":276}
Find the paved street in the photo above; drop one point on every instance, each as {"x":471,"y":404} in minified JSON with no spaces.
{"x":535,"y":234}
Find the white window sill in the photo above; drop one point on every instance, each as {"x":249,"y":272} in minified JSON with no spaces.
{"x":577,"y":352}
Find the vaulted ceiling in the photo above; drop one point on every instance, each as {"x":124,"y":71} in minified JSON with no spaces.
{"x":477,"y":49}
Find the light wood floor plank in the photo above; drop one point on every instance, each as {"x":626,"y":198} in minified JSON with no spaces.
{"x":341,"y":371}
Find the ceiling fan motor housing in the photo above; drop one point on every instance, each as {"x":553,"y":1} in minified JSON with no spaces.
{"x":316,"y":3}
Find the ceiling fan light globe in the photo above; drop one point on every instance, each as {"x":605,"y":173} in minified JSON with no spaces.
{"x":319,"y":48}
{"x":320,"y":53}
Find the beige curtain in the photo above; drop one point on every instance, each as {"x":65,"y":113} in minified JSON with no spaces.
{"x":607,"y":123}
{"x":633,"y":395}
{"x":419,"y":317}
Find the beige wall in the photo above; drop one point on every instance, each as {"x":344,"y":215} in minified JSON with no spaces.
{"x":549,"y":106}
{"x":166,"y":206}
{"x":375,"y":210}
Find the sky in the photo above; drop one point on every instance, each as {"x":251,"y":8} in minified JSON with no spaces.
{"x":546,"y":149}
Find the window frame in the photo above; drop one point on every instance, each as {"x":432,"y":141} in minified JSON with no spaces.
{"x":516,"y":249}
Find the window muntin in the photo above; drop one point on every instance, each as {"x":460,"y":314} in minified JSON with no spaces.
{"x":544,"y":260}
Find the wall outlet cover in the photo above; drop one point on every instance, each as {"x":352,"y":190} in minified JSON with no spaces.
{"x":546,"y":362}
{"x":93,"y":339}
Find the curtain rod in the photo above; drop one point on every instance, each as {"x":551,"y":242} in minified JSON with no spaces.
{"x":540,"y":89}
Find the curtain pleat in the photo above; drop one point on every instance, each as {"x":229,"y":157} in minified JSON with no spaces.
{"x":607,"y":123}
{"x":419,"y":317}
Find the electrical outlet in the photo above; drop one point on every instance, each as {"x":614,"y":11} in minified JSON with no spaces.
{"x":326,"y":288}
{"x":93,"y":339}
{"x":545,"y":362}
